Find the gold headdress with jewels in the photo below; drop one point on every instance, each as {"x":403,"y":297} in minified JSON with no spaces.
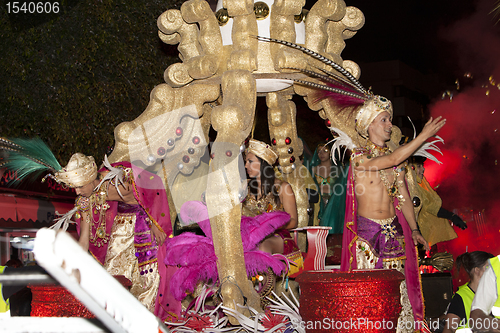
{"x":80,"y":171}
{"x":369,"y":111}
{"x":345,"y":91}
{"x":262,"y":150}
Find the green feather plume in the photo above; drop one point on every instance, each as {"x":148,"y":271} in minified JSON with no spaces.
{"x":28,"y":157}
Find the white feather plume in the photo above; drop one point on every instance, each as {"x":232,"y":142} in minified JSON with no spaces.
{"x":218,"y":321}
{"x":286,"y":307}
{"x":414,"y":129}
{"x":64,"y":221}
{"x":427,"y":147}
{"x":280,"y":306}
{"x":115,"y":174}
{"x":342,"y":140}
{"x":248,"y":324}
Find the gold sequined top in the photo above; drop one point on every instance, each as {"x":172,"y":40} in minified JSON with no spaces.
{"x":267,"y":204}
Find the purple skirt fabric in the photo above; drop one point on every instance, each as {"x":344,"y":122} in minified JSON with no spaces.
{"x":145,"y":246}
{"x":348,"y":262}
{"x":386,"y":241}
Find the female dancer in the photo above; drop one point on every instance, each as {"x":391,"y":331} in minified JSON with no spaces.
{"x":267,"y":194}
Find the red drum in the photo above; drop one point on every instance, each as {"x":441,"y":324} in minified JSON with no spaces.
{"x":359,"y":301}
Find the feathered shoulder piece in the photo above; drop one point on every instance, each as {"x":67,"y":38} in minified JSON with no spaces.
{"x":425,"y":149}
{"x":116,"y":175}
{"x":28,"y":157}
{"x":342,"y":140}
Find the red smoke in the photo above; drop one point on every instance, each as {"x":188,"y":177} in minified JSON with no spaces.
{"x":472,"y":149}
{"x":469,"y":179}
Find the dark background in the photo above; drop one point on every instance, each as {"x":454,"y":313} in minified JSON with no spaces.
{"x":71,"y":77}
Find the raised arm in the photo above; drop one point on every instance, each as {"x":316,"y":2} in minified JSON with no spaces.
{"x":363,"y":163}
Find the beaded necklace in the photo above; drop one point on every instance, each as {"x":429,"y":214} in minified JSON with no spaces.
{"x":391,"y":187}
{"x":96,"y":205}
{"x":264,"y":204}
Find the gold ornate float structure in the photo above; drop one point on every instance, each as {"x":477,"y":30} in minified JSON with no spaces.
{"x":223,"y":70}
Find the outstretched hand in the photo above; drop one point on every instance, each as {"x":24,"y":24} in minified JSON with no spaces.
{"x":418,"y":238}
{"x":159,"y":235}
{"x":432,"y":127}
{"x":459,"y":222}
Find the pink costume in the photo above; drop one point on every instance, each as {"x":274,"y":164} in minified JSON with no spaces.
{"x":195,"y":254}
{"x":267,"y":204}
{"x":123,"y":243}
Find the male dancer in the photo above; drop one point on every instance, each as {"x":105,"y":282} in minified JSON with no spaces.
{"x":380,"y":228}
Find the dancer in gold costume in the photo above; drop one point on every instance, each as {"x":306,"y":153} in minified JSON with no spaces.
{"x":123,"y":220}
{"x":266,"y":194}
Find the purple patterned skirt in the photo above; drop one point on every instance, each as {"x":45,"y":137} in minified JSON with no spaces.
{"x":385,"y":237}
{"x":145,"y":245}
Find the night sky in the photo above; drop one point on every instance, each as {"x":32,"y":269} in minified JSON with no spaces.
{"x":411,"y":31}
{"x":460,"y":42}
{"x":444,"y":37}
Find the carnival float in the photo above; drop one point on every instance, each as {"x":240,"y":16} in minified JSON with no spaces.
{"x":228,"y":60}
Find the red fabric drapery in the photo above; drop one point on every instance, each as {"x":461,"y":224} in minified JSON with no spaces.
{"x":16,"y":208}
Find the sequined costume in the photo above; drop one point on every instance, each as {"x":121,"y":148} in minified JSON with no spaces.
{"x":434,"y":229}
{"x":121,"y":240}
{"x":380,"y":243}
{"x":253,"y":207}
{"x":383,"y":244}
{"x":132,"y":253}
